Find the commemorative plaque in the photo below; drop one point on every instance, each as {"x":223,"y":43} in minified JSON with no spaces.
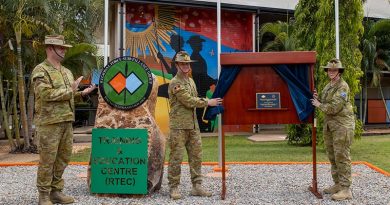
{"x":119,"y":161}
{"x":268,"y":100}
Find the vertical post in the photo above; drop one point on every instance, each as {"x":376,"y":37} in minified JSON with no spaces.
{"x":337,"y":28}
{"x":219,"y":72}
{"x":314,"y":187}
{"x":121,"y":12}
{"x":223,"y":194}
{"x":257,"y":27}
{"x":106,"y":32}
{"x":221,"y":132}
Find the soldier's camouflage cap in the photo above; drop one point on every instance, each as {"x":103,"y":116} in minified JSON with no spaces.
{"x":57,"y":40}
{"x":334,"y":63}
{"x":183,"y":57}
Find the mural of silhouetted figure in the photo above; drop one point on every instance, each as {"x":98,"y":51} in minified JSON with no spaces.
{"x":176,"y":44}
{"x":202,"y":80}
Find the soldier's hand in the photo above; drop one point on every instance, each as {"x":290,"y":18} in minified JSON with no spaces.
{"x":315,"y":102}
{"x":76,"y":83}
{"x":315,"y":94}
{"x":88,"y":90}
{"x":214,"y":101}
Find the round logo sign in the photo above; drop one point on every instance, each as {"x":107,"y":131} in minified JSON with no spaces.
{"x":125,"y":82}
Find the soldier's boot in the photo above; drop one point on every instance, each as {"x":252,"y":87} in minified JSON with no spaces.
{"x":333,"y":189}
{"x":60,"y":198}
{"x":174,"y":193}
{"x":343,"y":194}
{"x":44,"y":199}
{"x":198,"y":190}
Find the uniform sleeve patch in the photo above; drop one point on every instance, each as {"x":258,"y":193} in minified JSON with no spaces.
{"x":344,"y":95}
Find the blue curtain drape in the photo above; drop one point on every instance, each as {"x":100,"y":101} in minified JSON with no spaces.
{"x":297,"y":79}
{"x":226,"y":79}
{"x":296,"y":76}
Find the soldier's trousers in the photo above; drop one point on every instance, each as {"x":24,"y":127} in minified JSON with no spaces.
{"x":338,"y":146}
{"x":178,"y":141}
{"x":55,"y":149}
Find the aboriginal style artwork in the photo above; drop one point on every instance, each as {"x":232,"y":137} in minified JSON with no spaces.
{"x":155,"y":33}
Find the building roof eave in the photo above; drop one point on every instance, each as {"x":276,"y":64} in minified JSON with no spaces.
{"x":372,"y":8}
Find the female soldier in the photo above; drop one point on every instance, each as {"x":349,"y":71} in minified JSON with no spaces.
{"x":338,"y":129}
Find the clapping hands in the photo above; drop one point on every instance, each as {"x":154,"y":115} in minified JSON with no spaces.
{"x":76,"y":83}
{"x":88,"y":90}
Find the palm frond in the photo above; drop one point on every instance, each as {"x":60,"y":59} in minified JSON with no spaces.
{"x":80,"y":58}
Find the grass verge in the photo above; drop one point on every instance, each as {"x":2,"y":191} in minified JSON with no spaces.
{"x":372,"y":149}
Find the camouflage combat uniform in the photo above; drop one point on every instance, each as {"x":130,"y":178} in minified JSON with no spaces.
{"x":338,"y":129}
{"x":53,"y":117}
{"x":184,"y":128}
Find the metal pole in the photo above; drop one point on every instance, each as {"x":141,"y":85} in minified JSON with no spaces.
{"x":337,"y":28}
{"x":221,"y":137}
{"x":105,"y":32}
{"x":223,"y":194}
{"x":219,"y":72}
{"x":121,"y":12}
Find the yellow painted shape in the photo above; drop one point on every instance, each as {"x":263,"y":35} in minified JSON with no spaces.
{"x":162,"y":110}
{"x":162,"y":115}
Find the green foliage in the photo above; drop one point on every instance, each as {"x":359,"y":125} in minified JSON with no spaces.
{"x":304,"y":33}
{"x":76,"y":19}
{"x":358,"y":129}
{"x":381,"y":29}
{"x":376,"y":54}
{"x":305,"y":23}
{"x":351,"y":30}
{"x":299,"y":134}
{"x":24,"y":23}
{"x":282,"y":32}
{"x":315,"y":30}
{"x":80,"y":58}
{"x":376,"y":49}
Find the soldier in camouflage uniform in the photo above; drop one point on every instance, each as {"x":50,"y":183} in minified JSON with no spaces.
{"x":338,"y":129}
{"x":55,"y":91}
{"x":184,"y":128}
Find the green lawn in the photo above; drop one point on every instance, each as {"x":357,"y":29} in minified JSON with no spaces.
{"x":373,"y":149}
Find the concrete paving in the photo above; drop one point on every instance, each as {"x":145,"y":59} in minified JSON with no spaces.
{"x":269,"y":136}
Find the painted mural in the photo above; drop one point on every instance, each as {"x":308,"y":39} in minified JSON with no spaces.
{"x":155,"y":33}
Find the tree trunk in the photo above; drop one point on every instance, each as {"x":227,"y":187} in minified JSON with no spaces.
{"x":7,"y":130}
{"x":15,"y":109}
{"x":365,"y":98}
{"x":30,"y":113}
{"x":21,"y":89}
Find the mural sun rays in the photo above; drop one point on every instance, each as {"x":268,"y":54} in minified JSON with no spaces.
{"x":148,"y":27}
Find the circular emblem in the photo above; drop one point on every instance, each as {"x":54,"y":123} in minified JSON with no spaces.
{"x":125,"y":82}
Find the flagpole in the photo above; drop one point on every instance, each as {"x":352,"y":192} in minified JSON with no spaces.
{"x":219,"y":71}
{"x":105,"y":32}
{"x":337,"y":29}
{"x":221,"y":137}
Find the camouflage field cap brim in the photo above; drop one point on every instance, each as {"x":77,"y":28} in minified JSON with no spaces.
{"x":183,"y":57}
{"x":57,"y":40}
{"x":334,"y":63}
